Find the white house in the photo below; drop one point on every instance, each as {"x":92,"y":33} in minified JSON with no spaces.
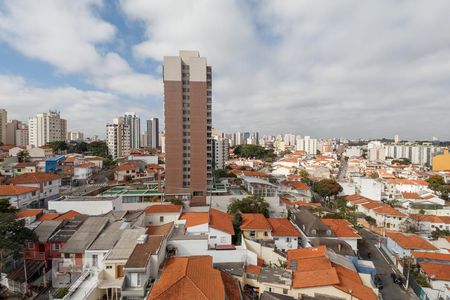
{"x":344,"y":231}
{"x":428,"y":223}
{"x":47,"y":183}
{"x":284,"y":234}
{"x":20,"y":196}
{"x":402,"y":245}
{"x":159,"y":214}
{"x":394,"y":187}
{"x":438,"y":275}
{"x":126,"y":171}
{"x":82,"y":171}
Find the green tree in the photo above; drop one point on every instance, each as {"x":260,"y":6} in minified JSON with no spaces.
{"x":220,"y":173}
{"x":254,"y":151}
{"x":249,"y":204}
{"x":23,"y":156}
{"x":58,"y":146}
{"x":327,"y":188}
{"x":237,"y":221}
{"x":303,"y":173}
{"x":13,"y":233}
{"x":98,"y":148}
{"x":176,"y":201}
{"x":437,"y":233}
{"x":435,"y":182}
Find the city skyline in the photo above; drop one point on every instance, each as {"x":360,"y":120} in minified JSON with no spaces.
{"x":290,"y":61}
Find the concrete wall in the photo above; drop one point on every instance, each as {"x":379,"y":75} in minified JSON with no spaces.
{"x":266,"y":253}
{"x":154,"y":218}
{"x":92,"y":208}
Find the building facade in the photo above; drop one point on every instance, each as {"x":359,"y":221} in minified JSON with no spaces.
{"x":153,"y":133}
{"x":3,"y":119}
{"x":188,"y":124}
{"x":220,"y":152}
{"x":46,"y":128}
{"x":118,"y":138}
{"x":134,"y":123}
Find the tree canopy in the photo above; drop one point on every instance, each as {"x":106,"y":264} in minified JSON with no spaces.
{"x":220,"y":173}
{"x":13,"y":233}
{"x":23,"y":156}
{"x":249,"y":204}
{"x":98,"y":148}
{"x":435,"y":182}
{"x":254,"y":151}
{"x":327,"y":188}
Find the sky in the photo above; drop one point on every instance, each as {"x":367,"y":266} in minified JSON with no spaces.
{"x":345,"y":68}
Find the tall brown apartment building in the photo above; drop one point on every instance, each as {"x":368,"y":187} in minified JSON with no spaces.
{"x":187,"y":115}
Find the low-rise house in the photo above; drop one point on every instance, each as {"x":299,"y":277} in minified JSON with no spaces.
{"x":126,"y":172}
{"x":431,"y":257}
{"x":284,"y":234}
{"x":29,"y":215}
{"x":402,"y":245}
{"x":438,"y":275}
{"x":54,"y":164}
{"x":193,"y":277}
{"x":20,"y":196}
{"x":64,"y":233}
{"x":217,"y":225}
{"x":23,"y":167}
{"x":142,"y":265}
{"x":158,"y":214}
{"x":393,"y":188}
{"x":82,"y":171}
{"x":41,"y":249}
{"x":47,"y":183}
{"x":428,"y":223}
{"x":255,"y":227}
{"x":344,"y":231}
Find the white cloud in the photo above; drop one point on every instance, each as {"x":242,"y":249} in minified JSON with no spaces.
{"x":65,"y":34}
{"x":87,"y":111}
{"x":327,"y":69}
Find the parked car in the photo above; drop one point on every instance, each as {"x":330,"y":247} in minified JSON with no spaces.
{"x":396,"y":279}
{"x":378,"y":282}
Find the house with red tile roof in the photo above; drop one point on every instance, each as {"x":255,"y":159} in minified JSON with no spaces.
{"x":394,"y":188}
{"x":314,"y":273}
{"x":428,"y":223}
{"x":158,"y":214}
{"x":284,"y":233}
{"x":192,"y":277}
{"x":20,"y":196}
{"x":126,"y":171}
{"x":402,"y":244}
{"x":344,"y":230}
{"x":438,"y":275}
{"x":217,"y":225}
{"x":255,"y":227}
{"x":29,"y":215}
{"x":47,"y":183}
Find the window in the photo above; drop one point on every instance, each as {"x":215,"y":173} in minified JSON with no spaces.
{"x":56,"y":247}
{"x":266,"y":233}
{"x":135,"y":279}
{"x":252,"y":233}
{"x":161,"y":218}
{"x":212,"y":236}
{"x":109,"y":267}
{"x":285,"y":291}
{"x":30,"y":245}
{"x":198,"y":193}
{"x":288,"y":239}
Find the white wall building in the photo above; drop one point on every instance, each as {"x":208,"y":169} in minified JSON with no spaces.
{"x":220,"y":152}
{"x":46,"y":128}
{"x":118,"y":136}
{"x":307,"y":144}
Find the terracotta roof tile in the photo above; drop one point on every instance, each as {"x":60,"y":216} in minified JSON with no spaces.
{"x":351,"y":283}
{"x":33,"y":178}
{"x":310,"y":252}
{"x":315,"y":278}
{"x":253,"y":269}
{"x":68,"y":216}
{"x":255,"y":222}
{"x":186,"y":278}
{"x":431,"y":255}
{"x":298,"y":185}
{"x":24,"y":213}
{"x":341,"y":228}
{"x":411,"y":241}
{"x":163,"y":208}
{"x":160,"y":230}
{"x":282,"y":227}
{"x":12,"y":190}
{"x":126,"y":167}
{"x":311,"y":264}
{"x":47,"y":217}
{"x":221,"y":221}
{"x":436,"y":271}
{"x":195,"y":218}
{"x":388,"y":210}
{"x":414,"y":196}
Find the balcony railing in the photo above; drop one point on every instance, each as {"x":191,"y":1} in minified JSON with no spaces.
{"x":34,"y":255}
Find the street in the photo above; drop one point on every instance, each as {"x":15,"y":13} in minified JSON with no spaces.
{"x":390,"y":291}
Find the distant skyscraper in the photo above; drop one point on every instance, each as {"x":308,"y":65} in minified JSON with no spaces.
{"x":46,"y":128}
{"x":308,"y":145}
{"x":188,"y":121}
{"x":118,"y":138}
{"x":3,"y":120}
{"x":134,"y":123}
{"x":396,"y":138}
{"x":153,"y":133}
{"x":220,"y":152}
{"x":75,"y":136}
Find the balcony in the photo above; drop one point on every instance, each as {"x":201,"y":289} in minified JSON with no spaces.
{"x":32,"y":255}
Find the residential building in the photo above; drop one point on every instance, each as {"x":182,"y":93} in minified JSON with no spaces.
{"x":307,"y":144}
{"x":20,"y":196}
{"x":376,"y":151}
{"x":220,"y":152}
{"x":193,"y":277}
{"x":126,"y":172}
{"x":45,"y":128}
{"x":153,"y":133}
{"x":402,"y":244}
{"x":438,"y":275}
{"x":255,"y":227}
{"x":3,"y":121}
{"x":47,"y":183}
{"x":77,"y":136}
{"x":188,"y":125}
{"x":134,"y":123}
{"x":284,"y":234}
{"x":159,"y":214}
{"x":22,"y":135}
{"x":118,"y":138}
